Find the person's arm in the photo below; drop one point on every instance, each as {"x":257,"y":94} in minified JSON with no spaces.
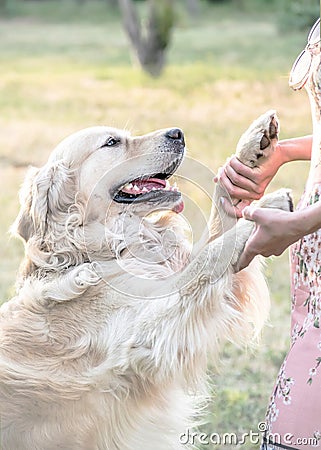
{"x":296,"y":149}
{"x":248,"y":184}
{"x":276,"y":230}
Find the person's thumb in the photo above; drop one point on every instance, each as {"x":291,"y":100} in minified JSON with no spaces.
{"x":249,"y":213}
{"x":254,"y":214}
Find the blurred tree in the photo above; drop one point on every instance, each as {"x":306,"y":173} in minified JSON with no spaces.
{"x":298,"y":14}
{"x":193,"y":7}
{"x":112,"y":3}
{"x":150,"y":42}
{"x":3,"y":6}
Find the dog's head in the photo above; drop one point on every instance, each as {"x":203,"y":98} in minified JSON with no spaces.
{"x":93,"y":177}
{"x":132,"y":173}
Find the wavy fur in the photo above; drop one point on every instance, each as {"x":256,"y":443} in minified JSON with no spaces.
{"x":106,"y":344}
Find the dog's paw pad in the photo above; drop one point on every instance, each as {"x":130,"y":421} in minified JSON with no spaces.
{"x":274,"y":127}
{"x":259,"y":140}
{"x":264,"y":143}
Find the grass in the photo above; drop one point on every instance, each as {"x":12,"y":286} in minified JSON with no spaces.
{"x":64,"y":68}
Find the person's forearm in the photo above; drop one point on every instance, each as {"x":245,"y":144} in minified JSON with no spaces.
{"x":295,"y":149}
{"x":308,"y":220}
{"x":276,"y":230}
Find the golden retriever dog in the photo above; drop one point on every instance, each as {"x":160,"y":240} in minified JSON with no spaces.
{"x":105,"y":345}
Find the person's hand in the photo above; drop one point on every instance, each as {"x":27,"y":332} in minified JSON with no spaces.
{"x":245,"y":183}
{"x":275,"y":231}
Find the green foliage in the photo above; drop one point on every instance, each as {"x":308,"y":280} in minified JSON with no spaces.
{"x":291,"y":15}
{"x":164,"y":20}
{"x":297,"y":14}
{"x":218,"y":1}
{"x":94,"y":11}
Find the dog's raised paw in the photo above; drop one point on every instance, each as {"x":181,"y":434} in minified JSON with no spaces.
{"x":280,"y":199}
{"x":259,"y":140}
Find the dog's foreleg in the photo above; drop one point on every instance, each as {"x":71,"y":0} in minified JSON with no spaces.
{"x":253,"y":149}
{"x":174,"y":334}
{"x":204,"y":304}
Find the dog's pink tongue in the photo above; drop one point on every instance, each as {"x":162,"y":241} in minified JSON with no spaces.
{"x":179,"y":208}
{"x":150,"y":184}
{"x":142,"y":186}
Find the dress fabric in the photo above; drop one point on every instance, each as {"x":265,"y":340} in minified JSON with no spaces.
{"x":293,"y":418}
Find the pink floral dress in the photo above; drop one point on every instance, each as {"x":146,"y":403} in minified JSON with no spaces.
{"x":293,"y":418}
{"x":294,"y":414}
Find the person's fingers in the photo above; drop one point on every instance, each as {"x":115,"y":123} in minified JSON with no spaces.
{"x":237,"y":166}
{"x":251,"y":250}
{"x":217,"y":177}
{"x":242,"y":182}
{"x":233,"y":207}
{"x":230,"y":209}
{"x":255,"y":214}
{"x":248,"y":213}
{"x":235,"y":191}
{"x":260,"y":176}
{"x":247,"y":172}
{"x":246,"y":257}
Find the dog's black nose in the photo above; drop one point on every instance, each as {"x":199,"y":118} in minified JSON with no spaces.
{"x":176,"y":134}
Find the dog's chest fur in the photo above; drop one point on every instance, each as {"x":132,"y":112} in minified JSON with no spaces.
{"x":78,"y":387}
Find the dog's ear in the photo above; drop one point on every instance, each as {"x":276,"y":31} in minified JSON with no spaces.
{"x":23,"y":225}
{"x":44,"y":194}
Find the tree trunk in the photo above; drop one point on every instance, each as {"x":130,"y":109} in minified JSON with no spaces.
{"x":150,"y":44}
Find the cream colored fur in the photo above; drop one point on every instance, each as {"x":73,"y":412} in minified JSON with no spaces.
{"x":106,"y":344}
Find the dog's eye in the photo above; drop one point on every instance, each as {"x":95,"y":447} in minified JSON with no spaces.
{"x":110,"y":142}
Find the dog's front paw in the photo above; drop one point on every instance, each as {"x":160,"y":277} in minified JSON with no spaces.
{"x":281,"y":199}
{"x":259,"y":140}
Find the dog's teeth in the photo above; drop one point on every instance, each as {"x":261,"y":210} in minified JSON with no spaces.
{"x":168,"y":186}
{"x":144,"y":189}
{"x":135,"y":188}
{"x":128,"y":186}
{"x":153,"y":189}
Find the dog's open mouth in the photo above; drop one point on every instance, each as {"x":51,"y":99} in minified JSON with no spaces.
{"x":155,"y":188}
{"x":147,"y":189}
